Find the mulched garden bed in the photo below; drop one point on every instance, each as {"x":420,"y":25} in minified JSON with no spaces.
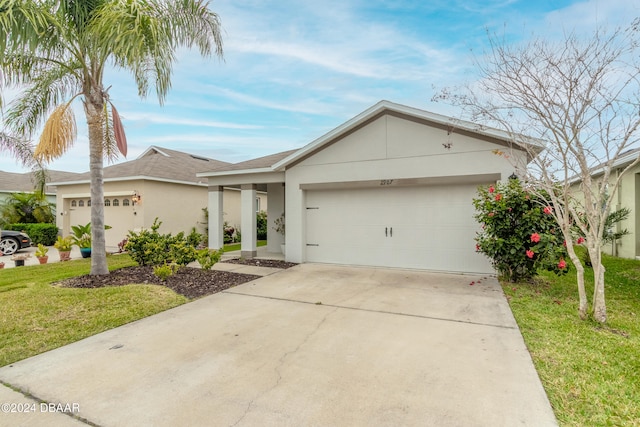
{"x":274,"y":263}
{"x":187,"y":281}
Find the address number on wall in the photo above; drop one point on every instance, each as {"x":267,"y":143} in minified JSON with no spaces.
{"x":386,"y":181}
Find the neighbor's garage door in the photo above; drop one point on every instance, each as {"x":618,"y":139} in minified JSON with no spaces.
{"x":425,"y":227}
{"x":116,"y":215}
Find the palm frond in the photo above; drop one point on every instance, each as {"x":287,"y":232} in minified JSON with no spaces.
{"x":109,"y":142}
{"x":58,"y":134}
{"x":20,"y":149}
{"x":27,"y":22}
{"x":142,"y":36}
{"x":49,"y":88}
{"x":118,"y":131}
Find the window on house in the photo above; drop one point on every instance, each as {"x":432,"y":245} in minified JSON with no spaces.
{"x":73,"y":203}
{"x":107,"y":202}
{"x":257,"y":204}
{"x":89,"y":203}
{"x":116,"y":202}
{"x":125,"y":202}
{"x":81,"y":203}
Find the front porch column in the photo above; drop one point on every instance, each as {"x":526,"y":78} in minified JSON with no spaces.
{"x":216,"y":232}
{"x":248,"y":226}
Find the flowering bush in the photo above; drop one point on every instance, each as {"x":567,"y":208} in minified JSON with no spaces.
{"x":519,"y":233}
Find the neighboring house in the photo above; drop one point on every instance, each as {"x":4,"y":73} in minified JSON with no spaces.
{"x":391,"y":187}
{"x":160,"y":183}
{"x":627,"y":196}
{"x":11,"y":182}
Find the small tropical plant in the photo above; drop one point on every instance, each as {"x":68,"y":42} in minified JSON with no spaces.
{"x":63,"y":244}
{"x":81,"y":235}
{"x":42,"y":251}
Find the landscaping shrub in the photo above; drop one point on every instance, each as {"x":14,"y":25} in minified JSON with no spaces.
{"x":519,"y":234}
{"x":261,"y":225}
{"x":208,"y":257}
{"x":182,"y":252}
{"x":194,"y":238}
{"x":163,"y":271}
{"x":44,"y":233}
{"x":149,"y":247}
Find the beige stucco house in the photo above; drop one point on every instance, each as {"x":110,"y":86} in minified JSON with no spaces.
{"x":391,"y":187}
{"x":160,"y":183}
{"x":627,"y":196}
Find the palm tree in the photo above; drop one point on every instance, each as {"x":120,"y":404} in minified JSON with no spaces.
{"x":23,"y":152}
{"x":26,"y":208}
{"x":59,"y":49}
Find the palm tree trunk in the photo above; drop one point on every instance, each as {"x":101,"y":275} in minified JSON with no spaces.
{"x":93,"y":111}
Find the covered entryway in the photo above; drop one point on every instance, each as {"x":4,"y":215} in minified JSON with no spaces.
{"x":425,"y":227}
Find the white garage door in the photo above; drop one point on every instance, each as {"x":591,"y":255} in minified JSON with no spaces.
{"x":117,"y":215}
{"x":425,"y":227}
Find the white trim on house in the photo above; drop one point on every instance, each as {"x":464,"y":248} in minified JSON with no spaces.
{"x":131,"y":178}
{"x":156,"y":149}
{"x":233,"y":172}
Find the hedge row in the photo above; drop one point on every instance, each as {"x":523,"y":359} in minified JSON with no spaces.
{"x":39,"y":233}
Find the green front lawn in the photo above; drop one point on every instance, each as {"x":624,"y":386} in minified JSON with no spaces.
{"x":36,"y":317}
{"x":230,"y":247}
{"x":591,"y":372}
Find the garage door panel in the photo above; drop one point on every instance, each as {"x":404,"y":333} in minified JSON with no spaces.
{"x":427,"y":228}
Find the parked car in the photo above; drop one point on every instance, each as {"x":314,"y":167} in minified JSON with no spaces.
{"x":13,"y":241}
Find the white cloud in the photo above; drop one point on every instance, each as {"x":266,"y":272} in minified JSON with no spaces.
{"x":166,"y":119}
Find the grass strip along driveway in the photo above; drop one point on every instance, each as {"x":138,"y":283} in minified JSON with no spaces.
{"x":591,"y":372}
{"x":37,"y":317}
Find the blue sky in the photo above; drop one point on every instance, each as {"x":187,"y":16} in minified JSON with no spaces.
{"x":294,"y":70}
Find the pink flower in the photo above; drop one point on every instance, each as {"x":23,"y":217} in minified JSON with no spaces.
{"x":491,"y":214}
{"x":498,"y":197}
{"x":548,"y":210}
{"x":562,"y":264}
{"x":564,"y":243}
{"x":535,"y":237}
{"x":477,"y":247}
{"x":580,"y":240}
{"x":530,"y":254}
{"x":491,"y":189}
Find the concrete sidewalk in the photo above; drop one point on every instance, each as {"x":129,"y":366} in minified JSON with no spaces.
{"x":314,"y":345}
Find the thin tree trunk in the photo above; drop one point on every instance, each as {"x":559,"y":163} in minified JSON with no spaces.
{"x":599,"y":303}
{"x":583,"y":307}
{"x":93,"y":110}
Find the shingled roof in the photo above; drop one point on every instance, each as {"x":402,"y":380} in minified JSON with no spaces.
{"x":11,"y":182}
{"x":157,"y":163}
{"x":259,"y":163}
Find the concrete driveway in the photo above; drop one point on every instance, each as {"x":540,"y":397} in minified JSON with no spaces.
{"x":315,"y":345}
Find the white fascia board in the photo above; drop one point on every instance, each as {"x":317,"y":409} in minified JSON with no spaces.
{"x":622,"y":161}
{"x":132,"y":178}
{"x":233,"y":172}
{"x":152,"y":148}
